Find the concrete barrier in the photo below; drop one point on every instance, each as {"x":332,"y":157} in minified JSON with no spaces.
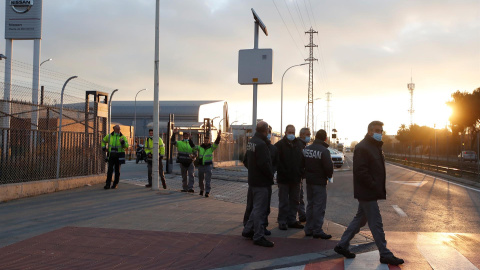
{"x":27,"y":189}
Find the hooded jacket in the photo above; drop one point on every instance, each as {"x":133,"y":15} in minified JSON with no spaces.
{"x":369,"y":173}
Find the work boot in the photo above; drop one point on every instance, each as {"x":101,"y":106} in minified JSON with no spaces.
{"x":106,"y":187}
{"x":345,"y":252}
{"x":207,"y":194}
{"x":201,"y":192}
{"x":391,"y":260}
{"x":296,"y":225}
{"x":282,"y":227}
{"x":263,"y":242}
{"x":248,"y":235}
{"x":322,"y":235}
{"x":148,"y":185}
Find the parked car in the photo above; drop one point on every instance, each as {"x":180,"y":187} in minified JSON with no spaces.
{"x":467,"y":156}
{"x":337,"y":158}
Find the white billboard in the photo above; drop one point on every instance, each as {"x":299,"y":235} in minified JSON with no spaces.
{"x":23,"y":19}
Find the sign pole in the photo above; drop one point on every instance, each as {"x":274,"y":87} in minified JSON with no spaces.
{"x":255,"y":85}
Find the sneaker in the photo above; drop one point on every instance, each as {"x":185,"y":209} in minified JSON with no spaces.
{"x":302,"y":219}
{"x":267,"y":232}
{"x":191,"y":191}
{"x":345,"y":252}
{"x":322,"y":235}
{"x":263,"y":242}
{"x":296,"y":225}
{"x":148,"y":185}
{"x":106,"y":187}
{"x":282,"y":227}
{"x":201,"y":192}
{"x":391,"y":260}
{"x":248,"y":235}
{"x":207,"y":194}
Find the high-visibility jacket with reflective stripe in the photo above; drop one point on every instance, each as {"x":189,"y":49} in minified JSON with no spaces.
{"x":149,"y":146}
{"x":206,"y":154}
{"x":184,"y":151}
{"x":113,"y":141}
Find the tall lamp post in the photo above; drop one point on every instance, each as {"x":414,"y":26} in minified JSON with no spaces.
{"x":135,"y":120}
{"x":49,"y":59}
{"x":281,"y":109}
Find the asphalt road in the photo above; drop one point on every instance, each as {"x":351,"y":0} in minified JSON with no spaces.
{"x":415,"y":202}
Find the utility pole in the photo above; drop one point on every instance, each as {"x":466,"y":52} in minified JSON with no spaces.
{"x":310,"y":59}
{"x":411,"y":87}
{"x":328,"y":114}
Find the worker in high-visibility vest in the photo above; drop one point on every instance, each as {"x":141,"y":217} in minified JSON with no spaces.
{"x":161,"y":153}
{"x":185,"y":157}
{"x":117,"y":143}
{"x":205,"y":162}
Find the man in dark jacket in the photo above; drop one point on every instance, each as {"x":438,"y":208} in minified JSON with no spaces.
{"x":318,"y":169}
{"x":260,"y":178}
{"x":304,"y":136}
{"x":289,"y":173}
{"x":369,"y":186}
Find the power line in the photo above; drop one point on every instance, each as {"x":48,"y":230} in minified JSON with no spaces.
{"x":300,"y":51}
{"x":300,"y":14}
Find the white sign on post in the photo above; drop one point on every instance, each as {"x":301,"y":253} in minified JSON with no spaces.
{"x":23,"y":19}
{"x":255,"y":66}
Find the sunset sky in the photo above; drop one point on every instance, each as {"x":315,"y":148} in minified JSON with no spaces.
{"x":368,"y":51}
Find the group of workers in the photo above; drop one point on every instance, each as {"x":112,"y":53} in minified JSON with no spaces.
{"x":293,"y":159}
{"x":189,"y":156}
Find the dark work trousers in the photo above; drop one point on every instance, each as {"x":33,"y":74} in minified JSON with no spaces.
{"x":113,"y":161}
{"x":368,"y":211}
{"x":288,"y":201}
{"x":256,"y":221}
{"x":187,"y":171}
{"x":301,"y":206}
{"x":249,"y":207}
{"x":205,"y":177}
{"x":317,"y":202}
{"x":160,"y":172}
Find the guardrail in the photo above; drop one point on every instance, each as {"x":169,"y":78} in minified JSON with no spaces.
{"x":453,"y":168}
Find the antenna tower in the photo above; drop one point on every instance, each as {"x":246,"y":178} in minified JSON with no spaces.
{"x":411,"y":87}
{"x":310,"y":59}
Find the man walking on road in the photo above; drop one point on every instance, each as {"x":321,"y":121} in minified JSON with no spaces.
{"x":304,"y":137}
{"x":149,"y":152}
{"x":205,"y":162}
{"x":117,"y":143}
{"x":289,"y":174}
{"x":260,"y":178}
{"x":318,"y":170}
{"x":369,"y":177}
{"x":185,"y":158}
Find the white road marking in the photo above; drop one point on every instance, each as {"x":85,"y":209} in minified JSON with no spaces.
{"x":441,"y":256}
{"x":368,"y":261}
{"x":411,"y":183}
{"x":441,"y":179}
{"x":399,"y":211}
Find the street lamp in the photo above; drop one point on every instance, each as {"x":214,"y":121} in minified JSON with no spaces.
{"x":135,"y":120}
{"x":281,"y":106}
{"x":50,"y":59}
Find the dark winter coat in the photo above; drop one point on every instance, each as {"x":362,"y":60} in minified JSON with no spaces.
{"x":318,"y":163}
{"x":258,"y":162}
{"x":273,"y":155}
{"x":290,"y":155}
{"x":369,"y":170}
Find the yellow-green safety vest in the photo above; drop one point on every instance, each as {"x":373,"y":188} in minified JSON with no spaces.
{"x":113,"y":141}
{"x":206,"y":154}
{"x":149,"y":146}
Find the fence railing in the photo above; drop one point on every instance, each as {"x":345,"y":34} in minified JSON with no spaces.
{"x":31,"y":155}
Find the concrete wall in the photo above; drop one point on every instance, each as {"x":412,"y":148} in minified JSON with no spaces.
{"x":27,"y":189}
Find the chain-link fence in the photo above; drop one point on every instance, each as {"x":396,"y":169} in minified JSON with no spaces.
{"x":29,"y":132}
{"x":230,"y":148}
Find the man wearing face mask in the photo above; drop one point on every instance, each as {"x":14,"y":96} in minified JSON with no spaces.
{"x":369,"y":186}
{"x":304,"y":139}
{"x":185,"y":149}
{"x":289,"y":175}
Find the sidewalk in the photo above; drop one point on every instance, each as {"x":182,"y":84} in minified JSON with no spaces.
{"x":136,"y":228}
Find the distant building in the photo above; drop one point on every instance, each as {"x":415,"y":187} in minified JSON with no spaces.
{"x":188,"y":115}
